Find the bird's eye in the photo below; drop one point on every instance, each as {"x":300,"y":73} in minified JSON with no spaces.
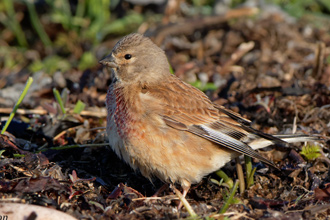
{"x":128,"y":56}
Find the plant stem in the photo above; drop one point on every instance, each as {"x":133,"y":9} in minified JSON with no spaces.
{"x":240,"y":175}
{"x":248,"y":165}
{"x":230,"y":198}
{"x":225,"y":178}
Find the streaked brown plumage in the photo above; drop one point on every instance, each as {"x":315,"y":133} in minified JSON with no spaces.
{"x":166,"y":127}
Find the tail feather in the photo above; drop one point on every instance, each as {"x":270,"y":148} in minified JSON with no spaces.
{"x":292,"y":138}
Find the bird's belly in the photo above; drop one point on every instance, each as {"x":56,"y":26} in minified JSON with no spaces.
{"x":117,"y":143}
{"x":169,"y":154}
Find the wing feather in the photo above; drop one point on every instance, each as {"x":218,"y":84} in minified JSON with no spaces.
{"x":184,"y":107}
{"x":227,"y":141}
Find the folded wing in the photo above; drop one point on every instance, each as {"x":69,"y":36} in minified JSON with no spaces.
{"x":184,"y":107}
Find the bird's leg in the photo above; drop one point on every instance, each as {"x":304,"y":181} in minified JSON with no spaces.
{"x":183,"y":200}
{"x":184,"y":193}
{"x":154,"y":197}
{"x":160,"y":190}
{"x":185,"y":187}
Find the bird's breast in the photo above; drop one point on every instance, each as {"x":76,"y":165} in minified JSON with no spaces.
{"x":123,"y":114}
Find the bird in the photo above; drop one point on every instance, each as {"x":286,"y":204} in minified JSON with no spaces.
{"x":167,"y":128}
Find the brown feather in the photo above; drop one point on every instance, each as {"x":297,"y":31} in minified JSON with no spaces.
{"x":184,"y":107}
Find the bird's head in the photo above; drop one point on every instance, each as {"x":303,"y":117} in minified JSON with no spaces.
{"x":135,"y":58}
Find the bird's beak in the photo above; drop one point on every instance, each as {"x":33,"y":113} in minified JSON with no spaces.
{"x":109,"y":61}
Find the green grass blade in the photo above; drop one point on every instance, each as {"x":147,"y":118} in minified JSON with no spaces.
{"x":11,"y":116}
{"x":248,"y":166}
{"x":250,"y":180}
{"x":79,"y":107}
{"x":230,"y":198}
{"x":59,"y":100}
{"x":13,"y":24}
{"x":37,"y":25}
{"x":225,"y":178}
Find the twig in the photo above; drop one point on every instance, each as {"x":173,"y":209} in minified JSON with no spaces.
{"x":98,"y":114}
{"x":319,"y":57}
{"x":74,"y":146}
{"x":189,"y":27}
{"x":238,"y":54}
